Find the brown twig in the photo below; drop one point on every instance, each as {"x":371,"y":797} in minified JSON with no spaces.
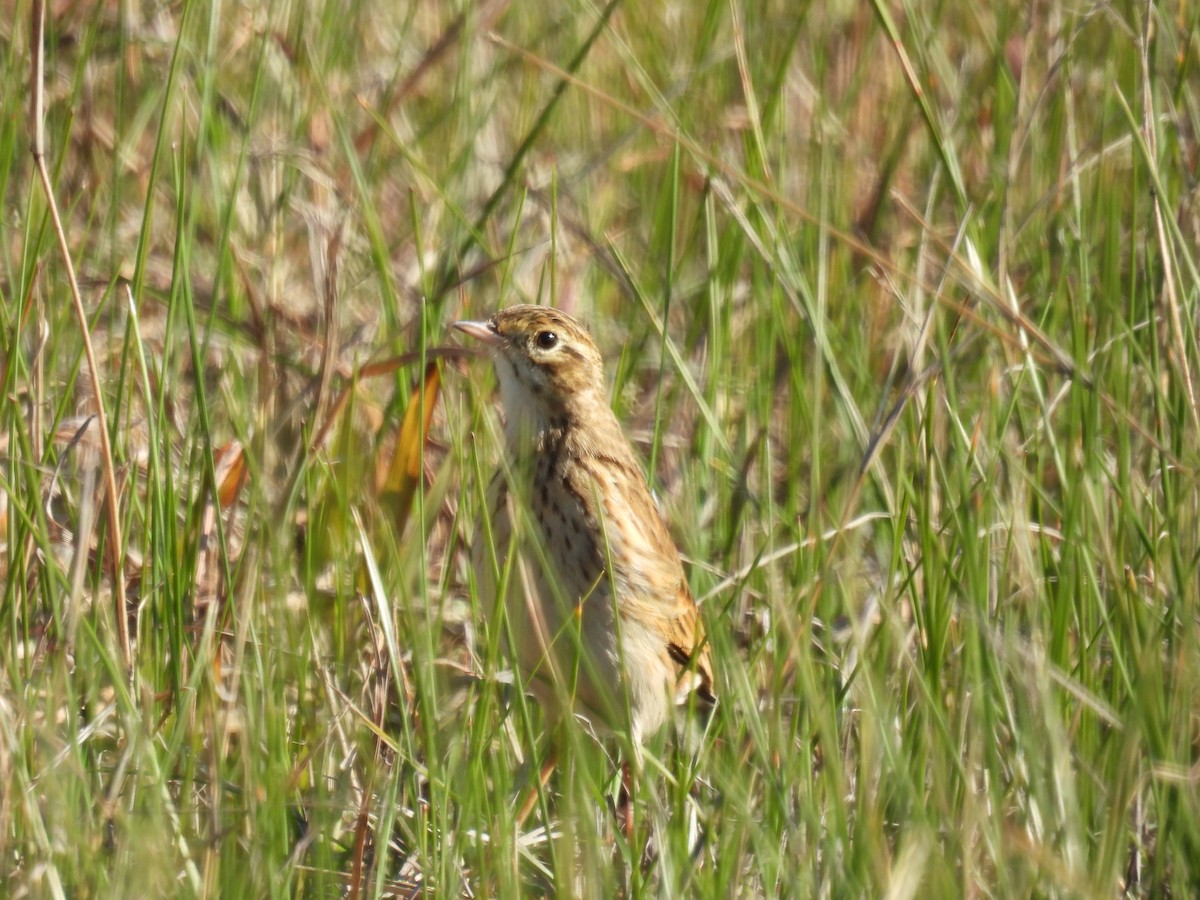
{"x":38,"y":149}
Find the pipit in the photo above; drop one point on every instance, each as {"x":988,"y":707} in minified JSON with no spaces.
{"x":601,"y":618}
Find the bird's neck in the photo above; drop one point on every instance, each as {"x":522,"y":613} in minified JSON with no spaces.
{"x":536,"y":422}
{"x":532,"y":428}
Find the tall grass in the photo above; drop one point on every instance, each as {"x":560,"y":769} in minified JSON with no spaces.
{"x":899,"y":304}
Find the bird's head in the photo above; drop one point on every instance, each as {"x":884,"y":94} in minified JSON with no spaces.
{"x":549,"y":369}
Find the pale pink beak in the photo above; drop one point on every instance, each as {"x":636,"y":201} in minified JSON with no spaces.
{"x":481,"y":331}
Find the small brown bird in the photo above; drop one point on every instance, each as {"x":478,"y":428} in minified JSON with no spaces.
{"x":600,"y":614}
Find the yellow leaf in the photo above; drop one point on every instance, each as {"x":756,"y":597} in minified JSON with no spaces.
{"x":400,"y":479}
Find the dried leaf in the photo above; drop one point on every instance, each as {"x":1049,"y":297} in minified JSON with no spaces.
{"x":399,"y":481}
{"x":231,"y":472}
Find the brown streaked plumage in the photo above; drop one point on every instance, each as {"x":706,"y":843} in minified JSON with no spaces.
{"x":600,"y":613}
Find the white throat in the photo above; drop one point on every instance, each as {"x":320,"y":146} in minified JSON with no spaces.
{"x":524,"y":416}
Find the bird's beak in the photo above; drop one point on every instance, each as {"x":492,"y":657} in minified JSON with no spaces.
{"x":481,"y":331}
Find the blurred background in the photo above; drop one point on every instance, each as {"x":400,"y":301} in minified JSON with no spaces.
{"x":898,"y":302}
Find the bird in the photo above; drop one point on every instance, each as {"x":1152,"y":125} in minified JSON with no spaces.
{"x":602,"y":622}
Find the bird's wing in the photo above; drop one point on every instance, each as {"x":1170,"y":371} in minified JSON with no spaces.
{"x":644,"y":557}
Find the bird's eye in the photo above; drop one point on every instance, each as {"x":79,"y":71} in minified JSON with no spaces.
{"x":547,"y":340}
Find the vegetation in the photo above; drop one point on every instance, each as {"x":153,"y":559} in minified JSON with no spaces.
{"x":899,"y":302}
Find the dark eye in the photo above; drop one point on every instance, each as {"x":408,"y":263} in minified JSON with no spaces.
{"x":547,"y":340}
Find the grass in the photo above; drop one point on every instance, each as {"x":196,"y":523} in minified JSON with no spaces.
{"x":899,"y":304}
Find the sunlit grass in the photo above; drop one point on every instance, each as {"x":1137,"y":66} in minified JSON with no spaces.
{"x":899,"y":308}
